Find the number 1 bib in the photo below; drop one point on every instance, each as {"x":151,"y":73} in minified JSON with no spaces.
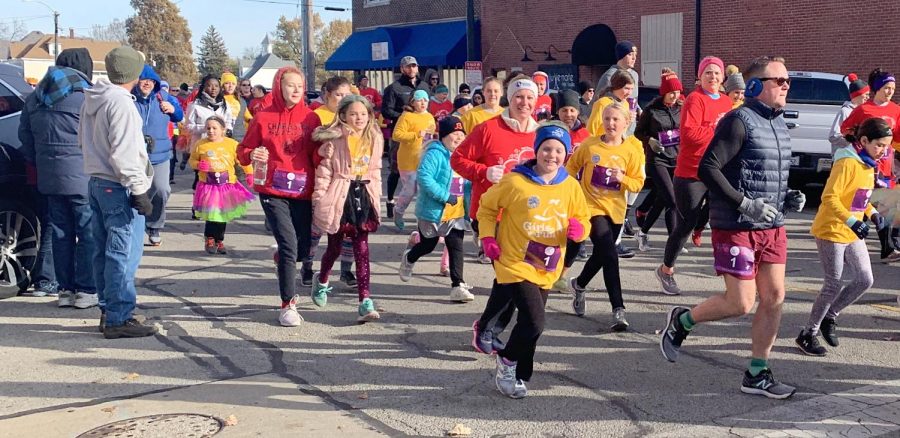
{"x":288,"y":182}
{"x":542,"y":257}
{"x":600,"y":178}
{"x":734,"y":259}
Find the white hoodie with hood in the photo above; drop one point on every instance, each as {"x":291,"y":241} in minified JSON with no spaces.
{"x":111,"y":137}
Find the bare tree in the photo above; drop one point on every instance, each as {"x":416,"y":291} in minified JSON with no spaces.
{"x":12,"y":30}
{"x":114,"y":31}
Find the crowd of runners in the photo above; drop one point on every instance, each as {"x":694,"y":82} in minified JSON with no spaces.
{"x":532,"y":173}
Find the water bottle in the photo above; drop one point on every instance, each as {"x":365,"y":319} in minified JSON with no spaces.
{"x":260,"y":169}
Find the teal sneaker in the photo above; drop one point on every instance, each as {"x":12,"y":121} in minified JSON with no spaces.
{"x":367,"y":312}
{"x":319,"y":292}
{"x":398,"y":221}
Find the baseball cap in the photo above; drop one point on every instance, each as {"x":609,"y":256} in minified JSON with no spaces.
{"x":408,"y":60}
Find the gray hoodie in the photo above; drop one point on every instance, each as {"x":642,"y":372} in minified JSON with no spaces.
{"x":111,"y":137}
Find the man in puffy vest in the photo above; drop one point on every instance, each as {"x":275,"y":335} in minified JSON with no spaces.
{"x":746,"y":170}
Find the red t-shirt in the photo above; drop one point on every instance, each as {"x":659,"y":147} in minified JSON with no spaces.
{"x":372,"y":95}
{"x":578,"y":136}
{"x":890,"y":113}
{"x":699,"y":117}
{"x":543,"y":104}
{"x":440,"y":109}
{"x":491,"y":143}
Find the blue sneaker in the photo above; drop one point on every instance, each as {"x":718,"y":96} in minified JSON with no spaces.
{"x":44,"y":288}
{"x":398,"y":221}
{"x":319,"y":292}
{"x":367,"y":312}
{"x":482,"y":341}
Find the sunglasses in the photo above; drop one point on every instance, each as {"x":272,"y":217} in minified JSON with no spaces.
{"x":779,"y":81}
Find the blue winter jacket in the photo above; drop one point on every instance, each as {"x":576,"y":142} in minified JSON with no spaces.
{"x":48,"y":130}
{"x":156,"y":123}
{"x":433,"y":177}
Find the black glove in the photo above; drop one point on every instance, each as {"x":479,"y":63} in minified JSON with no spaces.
{"x":452,"y":200}
{"x":142,"y":204}
{"x":860,"y":229}
{"x":878,"y":220}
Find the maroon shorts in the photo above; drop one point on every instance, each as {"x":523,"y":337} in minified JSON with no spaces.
{"x":740,"y":252}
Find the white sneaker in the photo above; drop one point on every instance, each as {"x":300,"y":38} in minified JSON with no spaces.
{"x":406,"y":268}
{"x":643,"y":240}
{"x":461,"y":295}
{"x":66,"y":298}
{"x":289,"y":316}
{"x":84,"y":300}
{"x":484,"y":259}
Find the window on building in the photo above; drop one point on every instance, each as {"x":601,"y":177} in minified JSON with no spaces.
{"x":370,"y":3}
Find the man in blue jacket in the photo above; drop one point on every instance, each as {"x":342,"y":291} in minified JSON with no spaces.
{"x":48,"y":130}
{"x":157,"y":109}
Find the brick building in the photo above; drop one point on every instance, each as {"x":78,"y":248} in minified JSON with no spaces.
{"x":811,"y":35}
{"x":386,"y":30}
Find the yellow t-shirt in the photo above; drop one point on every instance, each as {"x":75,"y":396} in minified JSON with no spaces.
{"x":605,"y":196}
{"x":846,"y":194}
{"x":477,"y":116}
{"x":221,"y":156}
{"x":407,"y":131}
{"x":532,"y":231}
{"x":326,"y":116}
{"x":234,"y":105}
{"x":358,"y":155}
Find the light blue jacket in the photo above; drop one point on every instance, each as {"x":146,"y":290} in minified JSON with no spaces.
{"x":434,"y":176}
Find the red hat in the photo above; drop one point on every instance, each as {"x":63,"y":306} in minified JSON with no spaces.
{"x":668,"y":83}
{"x":857,"y":86}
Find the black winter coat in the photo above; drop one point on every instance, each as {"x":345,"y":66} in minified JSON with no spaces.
{"x":658,"y":117}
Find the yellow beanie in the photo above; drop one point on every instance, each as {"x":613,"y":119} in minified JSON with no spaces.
{"x":228,"y":77}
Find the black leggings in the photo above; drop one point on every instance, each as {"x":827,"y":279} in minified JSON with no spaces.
{"x":497,"y":313}
{"x":689,"y":198}
{"x":665,"y":197}
{"x":603,"y":235}
{"x":291,"y":223}
{"x":216,"y":230}
{"x":530,"y":300}
{"x":392,"y":183}
{"x":454,"y":242}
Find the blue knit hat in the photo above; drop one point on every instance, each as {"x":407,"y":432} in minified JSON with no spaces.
{"x":623,"y":48}
{"x":552,"y":131}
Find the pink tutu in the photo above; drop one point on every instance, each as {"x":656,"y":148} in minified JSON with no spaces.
{"x":221,"y":202}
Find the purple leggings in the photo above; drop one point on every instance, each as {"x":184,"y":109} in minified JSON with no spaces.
{"x":360,"y":241}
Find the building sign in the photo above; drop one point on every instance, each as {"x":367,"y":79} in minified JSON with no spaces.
{"x":380,"y":51}
{"x":473,"y":75}
{"x":562,"y":76}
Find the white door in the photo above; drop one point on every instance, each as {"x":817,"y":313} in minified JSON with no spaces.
{"x":660,"y":46}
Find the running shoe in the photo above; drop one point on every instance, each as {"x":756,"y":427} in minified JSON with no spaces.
{"x":673,"y":335}
{"x":561,"y":285}
{"x":461,"y":295}
{"x":220,"y":248}
{"x":828,"y":329}
{"x":497,"y":343}
{"x":583,"y":253}
{"x":154,"y":237}
{"x":319,"y":292}
{"x":44,"y":288}
{"x":84,"y":300}
{"x":289,"y":316}
{"x":398,"y":221}
{"x":210,"y":245}
{"x":484,"y":259}
{"x":66,"y":298}
{"x":390,"y":209}
{"x":894,"y":256}
{"x":578,"y":303}
{"x":482,"y":341}
{"x":629,"y":230}
{"x":624,"y":251}
{"x":765,"y":384}
{"x":367,"y":312}
{"x":697,"y":238}
{"x":348,"y":278}
{"x":620,"y":324}
{"x":306,"y":275}
{"x":667,"y":282}
{"x":643,"y":240}
{"x":505,"y":379}
{"x":809,"y":344}
{"x":406,"y":268}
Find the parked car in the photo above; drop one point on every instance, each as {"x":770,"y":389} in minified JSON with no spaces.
{"x":20,"y":227}
{"x":812,"y":103}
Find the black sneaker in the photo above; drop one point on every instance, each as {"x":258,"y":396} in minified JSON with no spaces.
{"x":809,"y":344}
{"x":673,"y":335}
{"x":765,"y":384}
{"x":629,"y":230}
{"x":131,"y":329}
{"x":624,"y":251}
{"x":102,"y":321}
{"x":306,"y":276}
{"x":348,"y":278}
{"x":390,"y":209}
{"x":828,"y":329}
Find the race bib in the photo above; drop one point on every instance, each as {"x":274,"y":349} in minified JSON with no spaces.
{"x":860,"y":200}
{"x":601,"y":179}
{"x":216,"y":178}
{"x":542,"y":257}
{"x":669,"y":138}
{"x":457,"y":185}
{"x":288,"y":182}
{"x":733,"y":259}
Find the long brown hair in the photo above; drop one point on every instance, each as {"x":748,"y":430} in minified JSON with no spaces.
{"x":369,"y":132}
{"x":619,"y":80}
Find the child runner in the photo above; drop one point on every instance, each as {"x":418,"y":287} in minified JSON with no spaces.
{"x":840,"y":232}
{"x":609,"y":164}
{"x":440,"y":105}
{"x":414,"y":127}
{"x":543,"y":106}
{"x":279,"y":138}
{"x":219,"y":198}
{"x":486,"y":104}
{"x":348,"y":193}
{"x":542,"y":209}
{"x":440,"y":208}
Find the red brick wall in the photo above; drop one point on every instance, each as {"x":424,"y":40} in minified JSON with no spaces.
{"x":812,"y":35}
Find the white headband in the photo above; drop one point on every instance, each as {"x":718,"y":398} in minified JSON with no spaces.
{"x":519,"y":85}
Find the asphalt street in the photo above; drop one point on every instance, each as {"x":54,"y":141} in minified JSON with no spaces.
{"x":221,"y":353}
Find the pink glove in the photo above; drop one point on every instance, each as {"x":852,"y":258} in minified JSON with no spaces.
{"x":575,"y":232}
{"x":203,"y":166}
{"x":250,"y":181}
{"x":490,"y":247}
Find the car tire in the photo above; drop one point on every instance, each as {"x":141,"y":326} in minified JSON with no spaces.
{"x":20,"y":237}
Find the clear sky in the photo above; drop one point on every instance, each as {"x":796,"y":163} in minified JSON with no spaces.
{"x":242,"y":23}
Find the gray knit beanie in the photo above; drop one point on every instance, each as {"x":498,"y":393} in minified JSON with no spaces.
{"x":734,"y":82}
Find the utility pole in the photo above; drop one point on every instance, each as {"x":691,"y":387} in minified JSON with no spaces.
{"x":309,"y":63}
{"x":55,"y":35}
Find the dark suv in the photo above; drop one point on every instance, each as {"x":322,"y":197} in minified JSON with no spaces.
{"x":20,"y":227}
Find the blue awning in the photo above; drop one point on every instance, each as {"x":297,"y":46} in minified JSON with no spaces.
{"x":435,"y":44}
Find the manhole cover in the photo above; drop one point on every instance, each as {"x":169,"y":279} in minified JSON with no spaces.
{"x":159,"y":426}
